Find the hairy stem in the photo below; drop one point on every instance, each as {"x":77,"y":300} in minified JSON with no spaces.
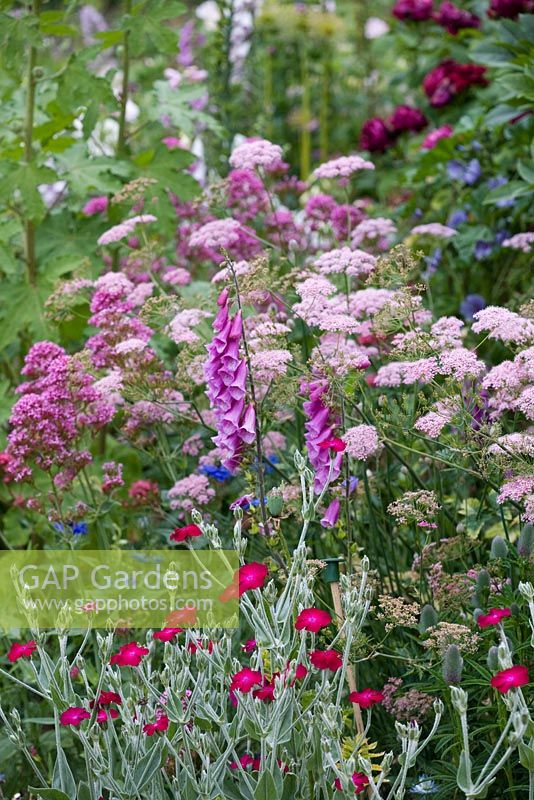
{"x":29,"y":224}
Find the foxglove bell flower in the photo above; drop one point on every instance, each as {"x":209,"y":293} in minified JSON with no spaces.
{"x":331,"y":515}
{"x":319,"y":425}
{"x":226,"y":378}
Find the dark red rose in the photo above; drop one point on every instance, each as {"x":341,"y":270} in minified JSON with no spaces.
{"x":415,"y":10}
{"x":510,"y":8}
{"x":407,"y":118}
{"x":453,"y":19}
{"x":375,"y":135}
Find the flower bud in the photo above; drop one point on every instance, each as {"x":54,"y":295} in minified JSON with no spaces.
{"x":459,"y":699}
{"x":428,"y":618}
{"x":492,"y":659}
{"x":527,"y":590}
{"x":453,"y":664}
{"x":525,"y":542}
{"x":499,"y":548}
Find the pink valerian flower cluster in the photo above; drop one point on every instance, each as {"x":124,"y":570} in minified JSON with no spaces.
{"x":58,"y":406}
{"x":124,"y":229}
{"x":342,"y":167}
{"x":434,"y":229}
{"x":246,"y":195}
{"x":257,"y":153}
{"x":96,"y":205}
{"x":320,"y":424}
{"x":112,"y":477}
{"x":352,"y":263}
{"x":457,"y":363}
{"x":362,"y":441}
{"x":379,"y":229}
{"x":189,"y":492}
{"x":521,"y":241}
{"x":431,"y":139}
{"x":228,"y":234}
{"x":226,"y":379}
{"x":505,"y":325}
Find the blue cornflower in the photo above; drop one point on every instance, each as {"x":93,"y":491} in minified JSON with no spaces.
{"x":465,"y":173}
{"x":471,"y":304}
{"x":457,"y":218}
{"x":500,"y":236}
{"x":219,"y":473}
{"x":79,"y":528}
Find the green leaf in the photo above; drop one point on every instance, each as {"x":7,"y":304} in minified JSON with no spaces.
{"x":23,"y":311}
{"x":526,"y":171}
{"x":509,"y":191}
{"x":85,"y":174}
{"x":48,"y":794}
{"x":266,"y":788}
{"x":145,"y":769}
{"x":526,"y":756}
{"x":63,"y":778}
{"x":20,"y":185}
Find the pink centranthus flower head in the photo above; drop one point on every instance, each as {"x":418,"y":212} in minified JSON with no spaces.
{"x":252,"y":576}
{"x":312,"y":619}
{"x":185,"y":533}
{"x":74,"y":716}
{"x":511,"y":678}
{"x":19,"y":650}
{"x":256,"y":153}
{"x":493,"y":617}
{"x":366,"y":698}
{"x":167,"y":634}
{"x":245,"y":680}
{"x":342,"y":167}
{"x":359,"y":779}
{"x":159,"y":726}
{"x":326,"y":659}
{"x":129,"y":655}
{"x":96,"y":205}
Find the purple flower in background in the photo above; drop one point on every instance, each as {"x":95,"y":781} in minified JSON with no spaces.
{"x":185,"y":46}
{"x":457,"y":218}
{"x":500,"y":236}
{"x":432,"y":262}
{"x":453,"y":19}
{"x":494,"y":183}
{"x":331,"y":515}
{"x":91,"y":22}
{"x":226,"y":378}
{"x":319,"y":428}
{"x":482,"y":249}
{"x":471,"y":304}
{"x":465,"y":173}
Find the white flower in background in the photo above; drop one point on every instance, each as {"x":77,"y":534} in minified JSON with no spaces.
{"x":375,"y":27}
{"x":209,"y":14}
{"x":104,"y":138}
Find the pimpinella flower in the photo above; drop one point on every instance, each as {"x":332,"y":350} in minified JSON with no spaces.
{"x":167,"y":634}
{"x":19,"y":650}
{"x":245,"y":680}
{"x":326,"y":659}
{"x":493,"y":617}
{"x":129,"y":655}
{"x":511,"y":678}
{"x":74,"y":716}
{"x":185,"y":533}
{"x":159,"y":726}
{"x":313,"y":620}
{"x":366,"y":698}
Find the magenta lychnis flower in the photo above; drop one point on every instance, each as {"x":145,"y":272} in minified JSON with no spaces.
{"x":129,"y":655}
{"x":252,"y":576}
{"x":245,"y":680}
{"x":335,"y":444}
{"x":511,"y":678}
{"x":326,"y":659}
{"x":359,"y":779}
{"x":167,"y":634}
{"x":312,"y":619}
{"x":159,"y":726}
{"x":185,"y":533}
{"x":74,"y":716}
{"x":366,"y":698}
{"x":19,"y":650}
{"x":493,"y":617}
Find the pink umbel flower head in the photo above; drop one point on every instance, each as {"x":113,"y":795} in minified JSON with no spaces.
{"x":256,"y":153}
{"x":434,"y":229}
{"x":493,"y":617}
{"x":74,"y":716}
{"x":185,"y":533}
{"x":326,"y":659}
{"x":124,"y":229}
{"x":342,"y":167}
{"x":319,"y":426}
{"x":511,"y":678}
{"x":521,"y":241}
{"x":313,"y":620}
{"x":129,"y":655}
{"x":366,"y":698}
{"x":435,"y":136}
{"x":362,"y":441}
{"x":19,"y":650}
{"x":505,"y":325}
{"x":226,"y":379}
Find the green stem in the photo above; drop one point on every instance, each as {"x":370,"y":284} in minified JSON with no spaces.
{"x":121,"y":140}
{"x":29,"y":225}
